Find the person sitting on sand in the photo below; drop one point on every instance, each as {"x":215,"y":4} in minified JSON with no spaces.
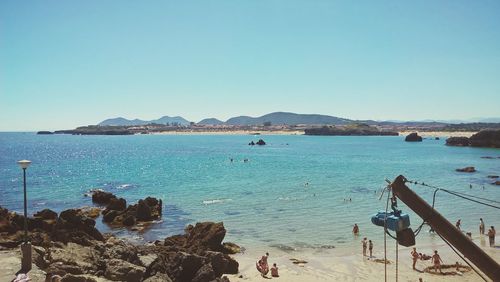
{"x":274,"y":271}
{"x":370,"y":247}
{"x":414,"y":256}
{"x":424,"y":256}
{"x":436,"y":259}
{"x":491,"y":236}
{"x":355,"y":229}
{"x":481,"y":226}
{"x":364,"y":242}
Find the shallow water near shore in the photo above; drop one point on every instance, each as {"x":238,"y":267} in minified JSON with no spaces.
{"x":296,"y":193}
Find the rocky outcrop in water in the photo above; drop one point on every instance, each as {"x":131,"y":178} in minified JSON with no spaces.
{"x":413,"y":137}
{"x":458,"y":141}
{"x":484,"y":138}
{"x":117,"y":213}
{"x":466,"y":169}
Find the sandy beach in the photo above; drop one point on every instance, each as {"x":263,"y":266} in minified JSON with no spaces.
{"x":440,"y":133}
{"x":349,"y":265}
{"x":231,"y":132}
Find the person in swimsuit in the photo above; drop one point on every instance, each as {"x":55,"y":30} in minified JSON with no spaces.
{"x":481,"y":226}
{"x":491,"y":236}
{"x":355,"y":229}
{"x":364,"y":242}
{"x":414,"y":256}
{"x":436,"y":259}
{"x":370,"y":247}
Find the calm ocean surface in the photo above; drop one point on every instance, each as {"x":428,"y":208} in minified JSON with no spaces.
{"x":264,"y":201}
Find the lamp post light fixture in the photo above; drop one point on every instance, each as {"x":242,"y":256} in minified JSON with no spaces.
{"x":26,"y":246}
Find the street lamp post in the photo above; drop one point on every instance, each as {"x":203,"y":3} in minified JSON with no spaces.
{"x":26,"y":246}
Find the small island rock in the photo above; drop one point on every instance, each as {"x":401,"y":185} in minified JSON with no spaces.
{"x":466,"y":169}
{"x":413,"y":137}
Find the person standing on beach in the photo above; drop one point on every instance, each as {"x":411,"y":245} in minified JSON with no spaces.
{"x":436,"y":259}
{"x":264,"y":261}
{"x":414,"y":256}
{"x":481,"y":226}
{"x":370,"y":247}
{"x":459,"y":222}
{"x":364,"y":242}
{"x":491,"y":236}
{"x":355,"y":229}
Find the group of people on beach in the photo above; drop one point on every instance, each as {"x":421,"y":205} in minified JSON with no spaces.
{"x":263,"y":267}
{"x":365,"y":243}
{"x":491,"y":231}
{"x":436,"y":259}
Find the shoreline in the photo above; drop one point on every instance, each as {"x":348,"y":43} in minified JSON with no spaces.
{"x":328,"y":265}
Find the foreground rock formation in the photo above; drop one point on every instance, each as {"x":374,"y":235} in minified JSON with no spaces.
{"x":484,"y":138}
{"x":70,"y":246}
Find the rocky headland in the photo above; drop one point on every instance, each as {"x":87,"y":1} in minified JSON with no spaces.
{"x":349,"y":130}
{"x":484,"y":138}
{"x":70,"y":246}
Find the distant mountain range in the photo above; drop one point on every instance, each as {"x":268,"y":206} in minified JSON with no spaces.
{"x":128,"y":122}
{"x":279,"y":118}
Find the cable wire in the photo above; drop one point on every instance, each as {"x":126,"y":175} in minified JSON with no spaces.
{"x":458,"y":254}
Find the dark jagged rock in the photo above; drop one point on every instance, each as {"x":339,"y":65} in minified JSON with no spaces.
{"x":458,"y":141}
{"x":492,"y":176}
{"x":118,"y":214}
{"x":261,"y":142}
{"x":206,"y":235}
{"x":466,"y":169}
{"x":437,"y":138}
{"x":231,"y":248}
{"x":222,"y":263}
{"x":101,"y":197}
{"x":413,"y":137}
{"x":251,"y":143}
{"x":110,"y":216}
{"x":143,"y":211}
{"x":44,"y":132}
{"x":46,"y":214}
{"x":72,"y":226}
{"x":116,"y":204}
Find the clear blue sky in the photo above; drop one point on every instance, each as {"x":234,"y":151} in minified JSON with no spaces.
{"x":70,"y":63}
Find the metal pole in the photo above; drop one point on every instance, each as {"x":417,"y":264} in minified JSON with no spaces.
{"x":446,"y":229}
{"x":25,"y":209}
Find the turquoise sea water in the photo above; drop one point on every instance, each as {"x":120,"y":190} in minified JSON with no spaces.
{"x":264,"y":201}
